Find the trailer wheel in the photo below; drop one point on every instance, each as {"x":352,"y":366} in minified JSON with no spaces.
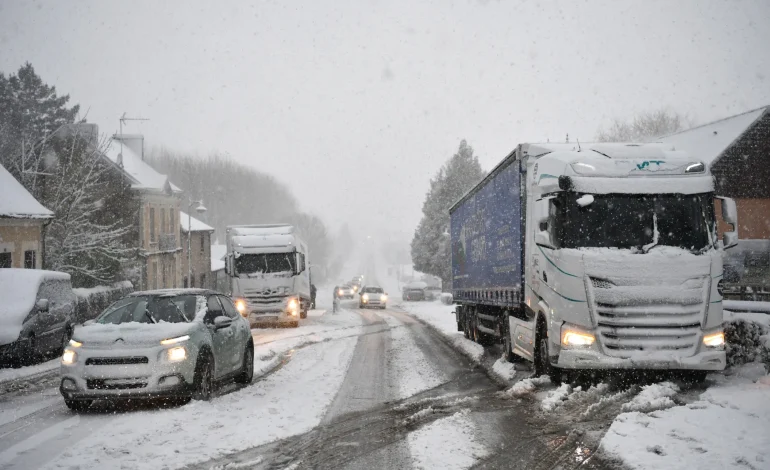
{"x":542,"y":356}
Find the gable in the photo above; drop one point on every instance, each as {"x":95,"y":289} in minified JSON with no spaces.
{"x":743,"y":169}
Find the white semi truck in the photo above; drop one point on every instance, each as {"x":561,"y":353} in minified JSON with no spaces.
{"x":600,"y":256}
{"x":269,"y":271}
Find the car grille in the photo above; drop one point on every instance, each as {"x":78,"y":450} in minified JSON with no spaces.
{"x":114,"y":361}
{"x":107,"y":384}
{"x":638,"y":319}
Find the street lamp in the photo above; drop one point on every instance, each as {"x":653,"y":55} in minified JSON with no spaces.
{"x":200,"y":210}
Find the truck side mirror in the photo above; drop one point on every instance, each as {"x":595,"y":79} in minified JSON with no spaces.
{"x":730,"y":216}
{"x":540,"y":209}
{"x":229,"y":264}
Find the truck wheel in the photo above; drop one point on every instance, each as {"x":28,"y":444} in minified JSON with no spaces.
{"x":542,"y":357}
{"x":303,"y":314}
{"x":507,"y":341}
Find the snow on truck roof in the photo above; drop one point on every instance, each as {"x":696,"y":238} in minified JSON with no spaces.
{"x":262,"y":230}
{"x":17,"y":202}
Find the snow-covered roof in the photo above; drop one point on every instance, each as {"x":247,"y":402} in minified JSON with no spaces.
{"x":144,"y":176}
{"x":217,"y":257}
{"x":18,"y":289}
{"x":195,"y":224}
{"x":707,"y":142}
{"x":17,"y":202}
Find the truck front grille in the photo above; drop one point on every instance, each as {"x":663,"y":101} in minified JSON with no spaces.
{"x":633,"y":320}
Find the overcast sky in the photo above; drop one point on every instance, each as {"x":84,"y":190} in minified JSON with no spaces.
{"x":356,"y":104}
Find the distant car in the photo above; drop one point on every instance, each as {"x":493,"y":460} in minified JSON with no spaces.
{"x":346,"y":292}
{"x":414,"y":291}
{"x":432,"y":293}
{"x":175,"y":343}
{"x":373,"y":297}
{"x":37,"y":314}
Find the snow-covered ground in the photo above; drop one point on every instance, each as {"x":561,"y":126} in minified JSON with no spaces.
{"x":448,"y":443}
{"x":28,"y":371}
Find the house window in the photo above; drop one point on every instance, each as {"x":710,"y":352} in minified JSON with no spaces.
{"x":30,"y":259}
{"x":152,"y":225}
{"x":171,"y":226}
{"x":5,"y":260}
{"x":163,"y":230}
{"x":203,"y":280}
{"x":185,"y":282}
{"x":203,"y":243}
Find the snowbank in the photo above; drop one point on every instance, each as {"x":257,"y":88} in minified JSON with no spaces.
{"x":441,"y":317}
{"x":726,"y":428}
{"x":653,"y":397}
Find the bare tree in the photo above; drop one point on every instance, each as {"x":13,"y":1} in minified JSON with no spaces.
{"x":643,"y":127}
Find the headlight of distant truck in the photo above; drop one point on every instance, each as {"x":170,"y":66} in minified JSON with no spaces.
{"x":292,"y":306}
{"x":383,"y":298}
{"x":240,"y":305}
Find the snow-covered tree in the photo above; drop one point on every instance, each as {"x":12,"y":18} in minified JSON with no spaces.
{"x":315,"y":233}
{"x":30,"y":113}
{"x":644,"y":126}
{"x":92,"y":234}
{"x":431,"y":246}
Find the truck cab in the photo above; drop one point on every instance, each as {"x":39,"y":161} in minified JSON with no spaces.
{"x":623,"y":266}
{"x":268,"y":268}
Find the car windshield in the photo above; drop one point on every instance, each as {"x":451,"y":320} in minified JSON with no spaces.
{"x":151,"y":309}
{"x":638,"y":222}
{"x":265,"y":263}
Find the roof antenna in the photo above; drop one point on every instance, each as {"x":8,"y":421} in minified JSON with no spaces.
{"x":578,"y":142}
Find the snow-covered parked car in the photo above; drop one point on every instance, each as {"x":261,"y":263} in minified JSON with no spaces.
{"x":37,"y":311}
{"x":415,"y":290}
{"x":174,"y":343}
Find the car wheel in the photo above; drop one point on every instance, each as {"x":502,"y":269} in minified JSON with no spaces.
{"x":78,"y":405}
{"x":204,"y":378}
{"x":247,"y":370}
{"x":29,"y":354}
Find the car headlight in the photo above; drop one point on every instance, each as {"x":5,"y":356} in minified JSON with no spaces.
{"x":240,"y":305}
{"x":176,"y":354}
{"x":340,"y":292}
{"x":715,"y":340}
{"x":365,"y":297}
{"x":69,"y":357}
{"x":75,"y":344}
{"x":577,"y":338}
{"x":383,"y":298}
{"x":355,"y":288}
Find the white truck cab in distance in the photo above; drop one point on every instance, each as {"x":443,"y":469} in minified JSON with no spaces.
{"x":268,"y":267}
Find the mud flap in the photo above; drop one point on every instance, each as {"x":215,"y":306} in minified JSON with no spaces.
{"x":522,"y":337}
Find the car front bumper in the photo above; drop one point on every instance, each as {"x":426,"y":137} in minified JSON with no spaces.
{"x":155,"y":378}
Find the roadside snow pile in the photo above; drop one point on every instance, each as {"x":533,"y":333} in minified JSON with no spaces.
{"x":556,"y":397}
{"x":653,"y":397}
{"x":526,"y":387}
{"x":748,"y":338}
{"x":726,"y":428}
{"x":504,"y":369}
{"x":441,"y":317}
{"x":7,"y":375}
{"x":436,"y":445}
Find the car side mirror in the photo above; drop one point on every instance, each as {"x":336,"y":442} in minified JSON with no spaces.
{"x":222,"y":322}
{"x":89,"y":322}
{"x":42,"y":305}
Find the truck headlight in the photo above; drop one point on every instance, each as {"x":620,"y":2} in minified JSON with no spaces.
{"x":176,"y":354}
{"x":577,"y":338}
{"x":69,"y":357}
{"x":715,"y":340}
{"x":292,"y":306}
{"x":240,"y":305}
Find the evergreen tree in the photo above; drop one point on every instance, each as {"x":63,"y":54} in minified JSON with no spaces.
{"x":30,"y":113}
{"x":431,"y":248}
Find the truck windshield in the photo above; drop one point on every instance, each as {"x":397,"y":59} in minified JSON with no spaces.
{"x":634,"y":221}
{"x":265,"y":263}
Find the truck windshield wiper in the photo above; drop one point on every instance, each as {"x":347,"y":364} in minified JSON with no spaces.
{"x":655,"y":235}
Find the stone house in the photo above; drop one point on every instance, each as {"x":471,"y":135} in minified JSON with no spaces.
{"x":22,"y":225}
{"x":200,"y":253}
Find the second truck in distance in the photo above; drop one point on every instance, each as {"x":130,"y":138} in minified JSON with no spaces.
{"x":601,"y":257}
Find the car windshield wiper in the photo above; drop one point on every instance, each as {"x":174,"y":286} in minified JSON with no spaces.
{"x":149,"y":315}
{"x":181,"y":312}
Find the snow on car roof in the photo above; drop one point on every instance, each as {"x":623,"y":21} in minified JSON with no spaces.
{"x":18,"y":289}
{"x":17,"y":202}
{"x":194,"y":224}
{"x":708,"y":141}
{"x":173,"y":291}
{"x":145,"y":176}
